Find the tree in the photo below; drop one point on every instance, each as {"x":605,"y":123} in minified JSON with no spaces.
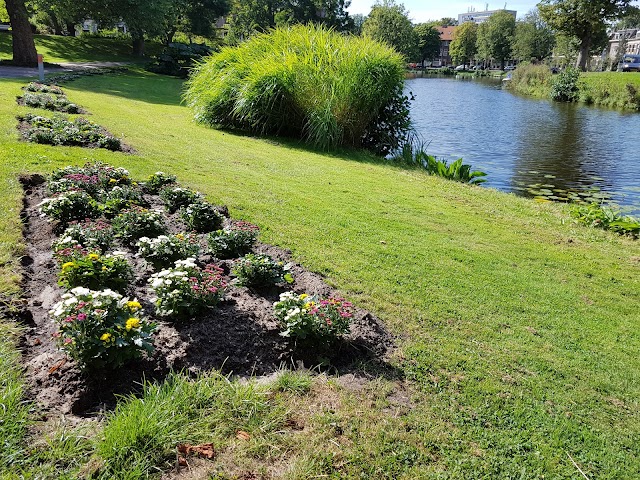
{"x":4,"y":16}
{"x":389,"y":22}
{"x":428,"y":41}
{"x":533,"y":38}
{"x":583,"y":19}
{"x":630,"y":20}
{"x":447,"y":22}
{"x":24,"y":48}
{"x":495,"y":36}
{"x":193,"y":17}
{"x":464,"y":44}
{"x":61,"y":16}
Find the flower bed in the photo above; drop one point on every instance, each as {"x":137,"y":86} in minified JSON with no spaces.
{"x":48,"y":101}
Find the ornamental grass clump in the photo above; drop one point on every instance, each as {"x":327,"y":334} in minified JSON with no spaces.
{"x":201,"y":217}
{"x":186,"y":289}
{"x":90,"y":234}
{"x":304,"y":81}
{"x":95,"y":271}
{"x":163,"y":251}
{"x":101,"y":328}
{"x":234,"y":240}
{"x":313,"y":318}
{"x":261,"y":271}
{"x":69,"y":206}
{"x":138,"y":222}
{"x":157,"y":181}
{"x":176,"y":197}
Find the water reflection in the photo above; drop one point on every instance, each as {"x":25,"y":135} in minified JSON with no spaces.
{"x":532,"y":147}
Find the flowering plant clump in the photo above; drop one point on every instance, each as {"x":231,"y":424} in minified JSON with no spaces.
{"x":261,"y":271}
{"x":164,"y":250}
{"x":120,"y":198}
{"x":101,"y":328}
{"x":75,"y":181}
{"x":138,"y":222}
{"x":95,"y":235}
{"x":95,"y":271}
{"x":187,"y":289}
{"x":69,"y":206}
{"x":176,"y":197}
{"x":158,"y":180}
{"x":201,"y":217}
{"x":43,"y":88}
{"x":57,"y":103}
{"x":103,"y":175}
{"x":303,"y":316}
{"x":233,"y":241}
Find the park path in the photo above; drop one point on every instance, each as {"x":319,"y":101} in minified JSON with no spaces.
{"x":7,"y":71}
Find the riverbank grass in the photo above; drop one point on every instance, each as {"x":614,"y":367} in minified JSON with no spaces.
{"x":517,"y":329}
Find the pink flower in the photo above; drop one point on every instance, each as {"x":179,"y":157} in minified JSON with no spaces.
{"x":82,"y":316}
{"x":67,"y":341}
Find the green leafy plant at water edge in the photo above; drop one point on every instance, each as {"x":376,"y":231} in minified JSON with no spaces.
{"x":101,"y":328}
{"x":305,"y":81}
{"x":564,"y":87}
{"x":259,"y":270}
{"x":600,"y":216}
{"x":456,"y":171}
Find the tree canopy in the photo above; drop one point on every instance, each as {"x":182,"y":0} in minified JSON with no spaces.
{"x":389,"y":22}
{"x":495,"y":37}
{"x":583,"y":19}
{"x":533,"y":38}
{"x":464,"y":44}
{"x":428,"y":41}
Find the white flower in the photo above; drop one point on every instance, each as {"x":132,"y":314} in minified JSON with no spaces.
{"x":138,"y":342}
{"x":80,"y":292}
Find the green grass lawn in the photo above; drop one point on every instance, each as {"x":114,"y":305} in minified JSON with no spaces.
{"x":79,"y":49}
{"x":518,"y":330}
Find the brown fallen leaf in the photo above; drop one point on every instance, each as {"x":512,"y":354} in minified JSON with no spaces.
{"x":205,"y":450}
{"x":242,"y":435}
{"x":57,"y":366}
{"x":182,"y":462}
{"x":36,"y":342}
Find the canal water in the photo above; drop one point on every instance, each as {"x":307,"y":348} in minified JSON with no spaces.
{"x":531,"y":147}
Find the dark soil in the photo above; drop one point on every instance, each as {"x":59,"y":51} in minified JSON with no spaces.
{"x":240,"y":336}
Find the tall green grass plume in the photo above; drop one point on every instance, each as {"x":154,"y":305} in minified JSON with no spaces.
{"x":306,"y":82}
{"x":529,"y":79}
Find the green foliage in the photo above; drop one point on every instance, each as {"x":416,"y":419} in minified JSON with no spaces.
{"x":259,"y":271}
{"x":533,"y":38}
{"x":60,"y":131}
{"x":495,"y":36}
{"x":318,"y":320}
{"x":58,"y":103}
{"x":464,"y":44}
{"x":305,"y":81}
{"x":457,"y":171}
{"x":233,"y":241}
{"x":564,"y":86}
{"x":529,"y":79}
{"x":89,"y":234}
{"x":138,"y":222}
{"x":96,"y":272}
{"x":611,"y":89}
{"x":43,"y":88}
{"x":101,"y":328}
{"x":298,"y":383}
{"x":389,"y":23}
{"x":428,"y":41}
{"x":186,"y":289}
{"x":121,"y":198}
{"x":201,"y":217}
{"x":177,"y":59}
{"x":165,"y":250}
{"x":69,"y":206}
{"x":177,"y":197}
{"x":156,"y":181}
{"x":600,"y":216}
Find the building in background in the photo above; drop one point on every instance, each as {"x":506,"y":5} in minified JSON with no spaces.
{"x":481,"y":17}
{"x":446,"y":36}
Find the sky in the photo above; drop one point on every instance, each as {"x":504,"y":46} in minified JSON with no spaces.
{"x":424,"y":10}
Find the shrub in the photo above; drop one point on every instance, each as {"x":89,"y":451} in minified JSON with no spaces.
{"x":304,"y":81}
{"x":529,"y":79}
{"x":68,"y":206}
{"x":96,"y":272}
{"x":304,"y":316}
{"x":60,"y":131}
{"x":178,"y":58}
{"x":600,"y":216}
{"x":201,"y":217}
{"x":164,"y":250}
{"x":233,"y":241}
{"x":176,"y":197}
{"x":564,"y":87}
{"x":138,"y":222}
{"x":158,"y":180}
{"x":101,"y":328}
{"x":187,"y":289}
{"x":89,"y":234}
{"x":261,"y":271}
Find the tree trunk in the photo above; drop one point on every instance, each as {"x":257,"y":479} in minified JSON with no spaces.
{"x":583,"y":53}
{"x":71,"y":29}
{"x":169,"y":38}
{"x":24,"y":48}
{"x":137,"y":41}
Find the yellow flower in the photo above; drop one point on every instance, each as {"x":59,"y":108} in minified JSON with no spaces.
{"x":180,"y":236}
{"x":68,"y":265}
{"x":112,"y":180}
{"x":133,"y":305}
{"x":303,"y":296}
{"x":135,"y":184}
{"x":93,"y":256}
{"x":104,"y":269}
{"x":309,"y":305}
{"x":105,"y":337}
{"x":132,"y":323}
